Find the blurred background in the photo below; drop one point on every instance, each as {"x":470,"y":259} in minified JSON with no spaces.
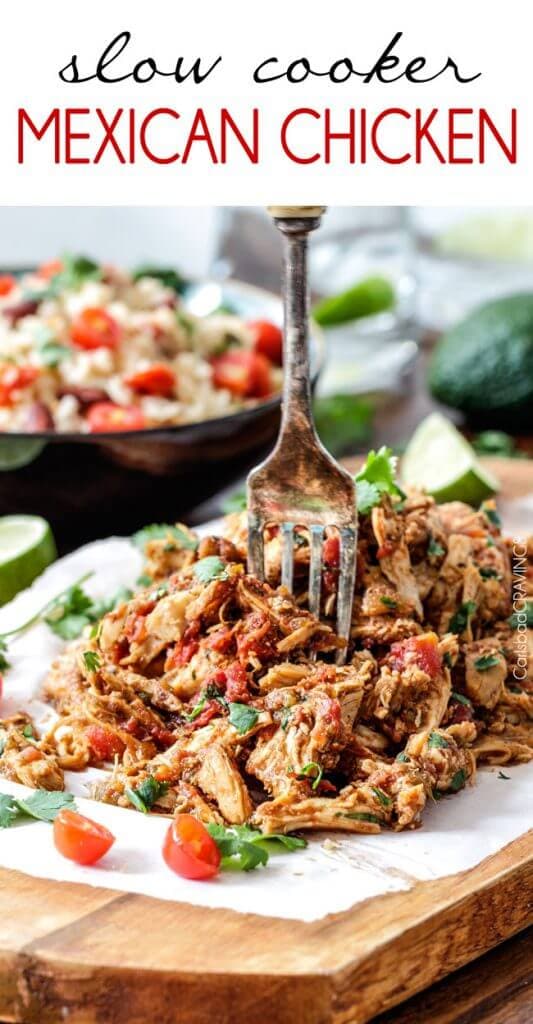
{"x":403,"y":296}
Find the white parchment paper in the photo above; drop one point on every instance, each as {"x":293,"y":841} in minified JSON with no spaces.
{"x":331,"y":875}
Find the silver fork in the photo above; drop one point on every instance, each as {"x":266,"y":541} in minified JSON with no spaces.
{"x":300,"y":484}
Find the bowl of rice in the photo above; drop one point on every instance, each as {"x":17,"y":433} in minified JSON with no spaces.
{"x":154,"y":369}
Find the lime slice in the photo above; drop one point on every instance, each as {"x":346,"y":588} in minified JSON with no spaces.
{"x":27,"y":547}
{"x":18,"y":452}
{"x":373,"y":295}
{"x":440,"y":461}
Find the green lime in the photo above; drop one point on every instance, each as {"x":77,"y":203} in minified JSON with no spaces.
{"x":18,"y":452}
{"x":27,"y":547}
{"x":373,"y":295}
{"x":440,"y":461}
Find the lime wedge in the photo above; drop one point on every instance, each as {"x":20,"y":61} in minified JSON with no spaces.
{"x":440,"y":461}
{"x":18,"y":452}
{"x":27,"y":547}
{"x":373,"y":295}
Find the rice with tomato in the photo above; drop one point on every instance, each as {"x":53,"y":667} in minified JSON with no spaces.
{"x":88,"y":348}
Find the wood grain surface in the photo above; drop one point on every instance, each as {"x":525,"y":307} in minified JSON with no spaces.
{"x":92,"y":956}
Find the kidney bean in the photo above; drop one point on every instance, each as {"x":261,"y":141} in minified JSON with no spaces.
{"x":38,"y":418}
{"x":26,"y":307}
{"x":85,"y":396}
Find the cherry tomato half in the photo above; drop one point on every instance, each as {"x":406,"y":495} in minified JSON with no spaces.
{"x":15,"y":378}
{"x":189,"y":850}
{"x":106,"y":417}
{"x":246,"y":374}
{"x":158,"y":379}
{"x":103,"y":742}
{"x":94,"y":328}
{"x":268,"y":340}
{"x":7,"y":283}
{"x":80,"y":839}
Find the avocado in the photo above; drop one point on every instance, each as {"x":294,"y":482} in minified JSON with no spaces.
{"x":484,"y":365}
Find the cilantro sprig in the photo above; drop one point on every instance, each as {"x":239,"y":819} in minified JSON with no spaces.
{"x":377,"y":477}
{"x":210,"y":568}
{"x":486,"y":661}
{"x":42,"y":804}
{"x":243,"y":848}
{"x":461,"y":620}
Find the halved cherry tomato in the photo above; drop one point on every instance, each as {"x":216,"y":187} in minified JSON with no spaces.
{"x":106,"y":417}
{"x":15,"y":378}
{"x":80,"y":839}
{"x":422,"y":651}
{"x":94,"y":328}
{"x":158,"y":379}
{"x":189,"y":850}
{"x":268,"y":340}
{"x":7,"y":283}
{"x":103,"y":742}
{"x":50,"y":269}
{"x":244,"y":373}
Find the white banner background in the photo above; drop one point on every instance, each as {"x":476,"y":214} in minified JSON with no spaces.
{"x":38,"y":40}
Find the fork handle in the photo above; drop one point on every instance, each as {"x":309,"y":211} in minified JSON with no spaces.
{"x":295,"y":224}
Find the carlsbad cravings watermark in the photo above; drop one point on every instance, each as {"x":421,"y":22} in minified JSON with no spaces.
{"x":520,"y":609}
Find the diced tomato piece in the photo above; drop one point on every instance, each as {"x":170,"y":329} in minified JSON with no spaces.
{"x":237,"y":684}
{"x":106,"y":417}
{"x":211,"y":710}
{"x":387,"y":548}
{"x":94,"y":328}
{"x":7,"y":283}
{"x":158,"y":379}
{"x":50,"y":269}
{"x":163,"y":736}
{"x":15,"y":378}
{"x":189,"y":850}
{"x":332,"y":711}
{"x":1,"y":687}
{"x":267,"y":340}
{"x":246,"y":374}
{"x":331,"y":551}
{"x":221,"y":640}
{"x":103,"y":742}
{"x":257,"y":638}
{"x":79,"y":838}
{"x":185,"y":649}
{"x":422,"y":651}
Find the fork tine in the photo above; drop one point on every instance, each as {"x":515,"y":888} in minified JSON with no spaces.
{"x":287,"y":555}
{"x":256,"y":547}
{"x":348,"y":539}
{"x":315,"y":569}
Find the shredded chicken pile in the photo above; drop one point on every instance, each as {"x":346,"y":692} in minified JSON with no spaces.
{"x":221,"y":692}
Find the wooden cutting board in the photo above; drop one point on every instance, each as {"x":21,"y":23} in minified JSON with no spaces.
{"x":93,"y":956}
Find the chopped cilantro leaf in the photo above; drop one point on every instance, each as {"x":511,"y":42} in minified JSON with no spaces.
{"x":389,"y":602}
{"x":461,"y":699}
{"x":489,"y":508}
{"x":435,"y":550}
{"x":242,"y":717}
{"x":91,"y":661}
{"x":381,"y":796}
{"x":4,"y":663}
{"x":402,"y":756}
{"x":314,"y":770}
{"x":145,"y":795}
{"x":460,"y":621}
{"x":361,"y":816}
{"x":486,"y":661}
{"x":28,"y":732}
{"x":144,"y":581}
{"x":458,"y":780}
{"x":487,"y":572}
{"x":167,"y":275}
{"x":210,"y":568}
{"x":436,"y":740}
